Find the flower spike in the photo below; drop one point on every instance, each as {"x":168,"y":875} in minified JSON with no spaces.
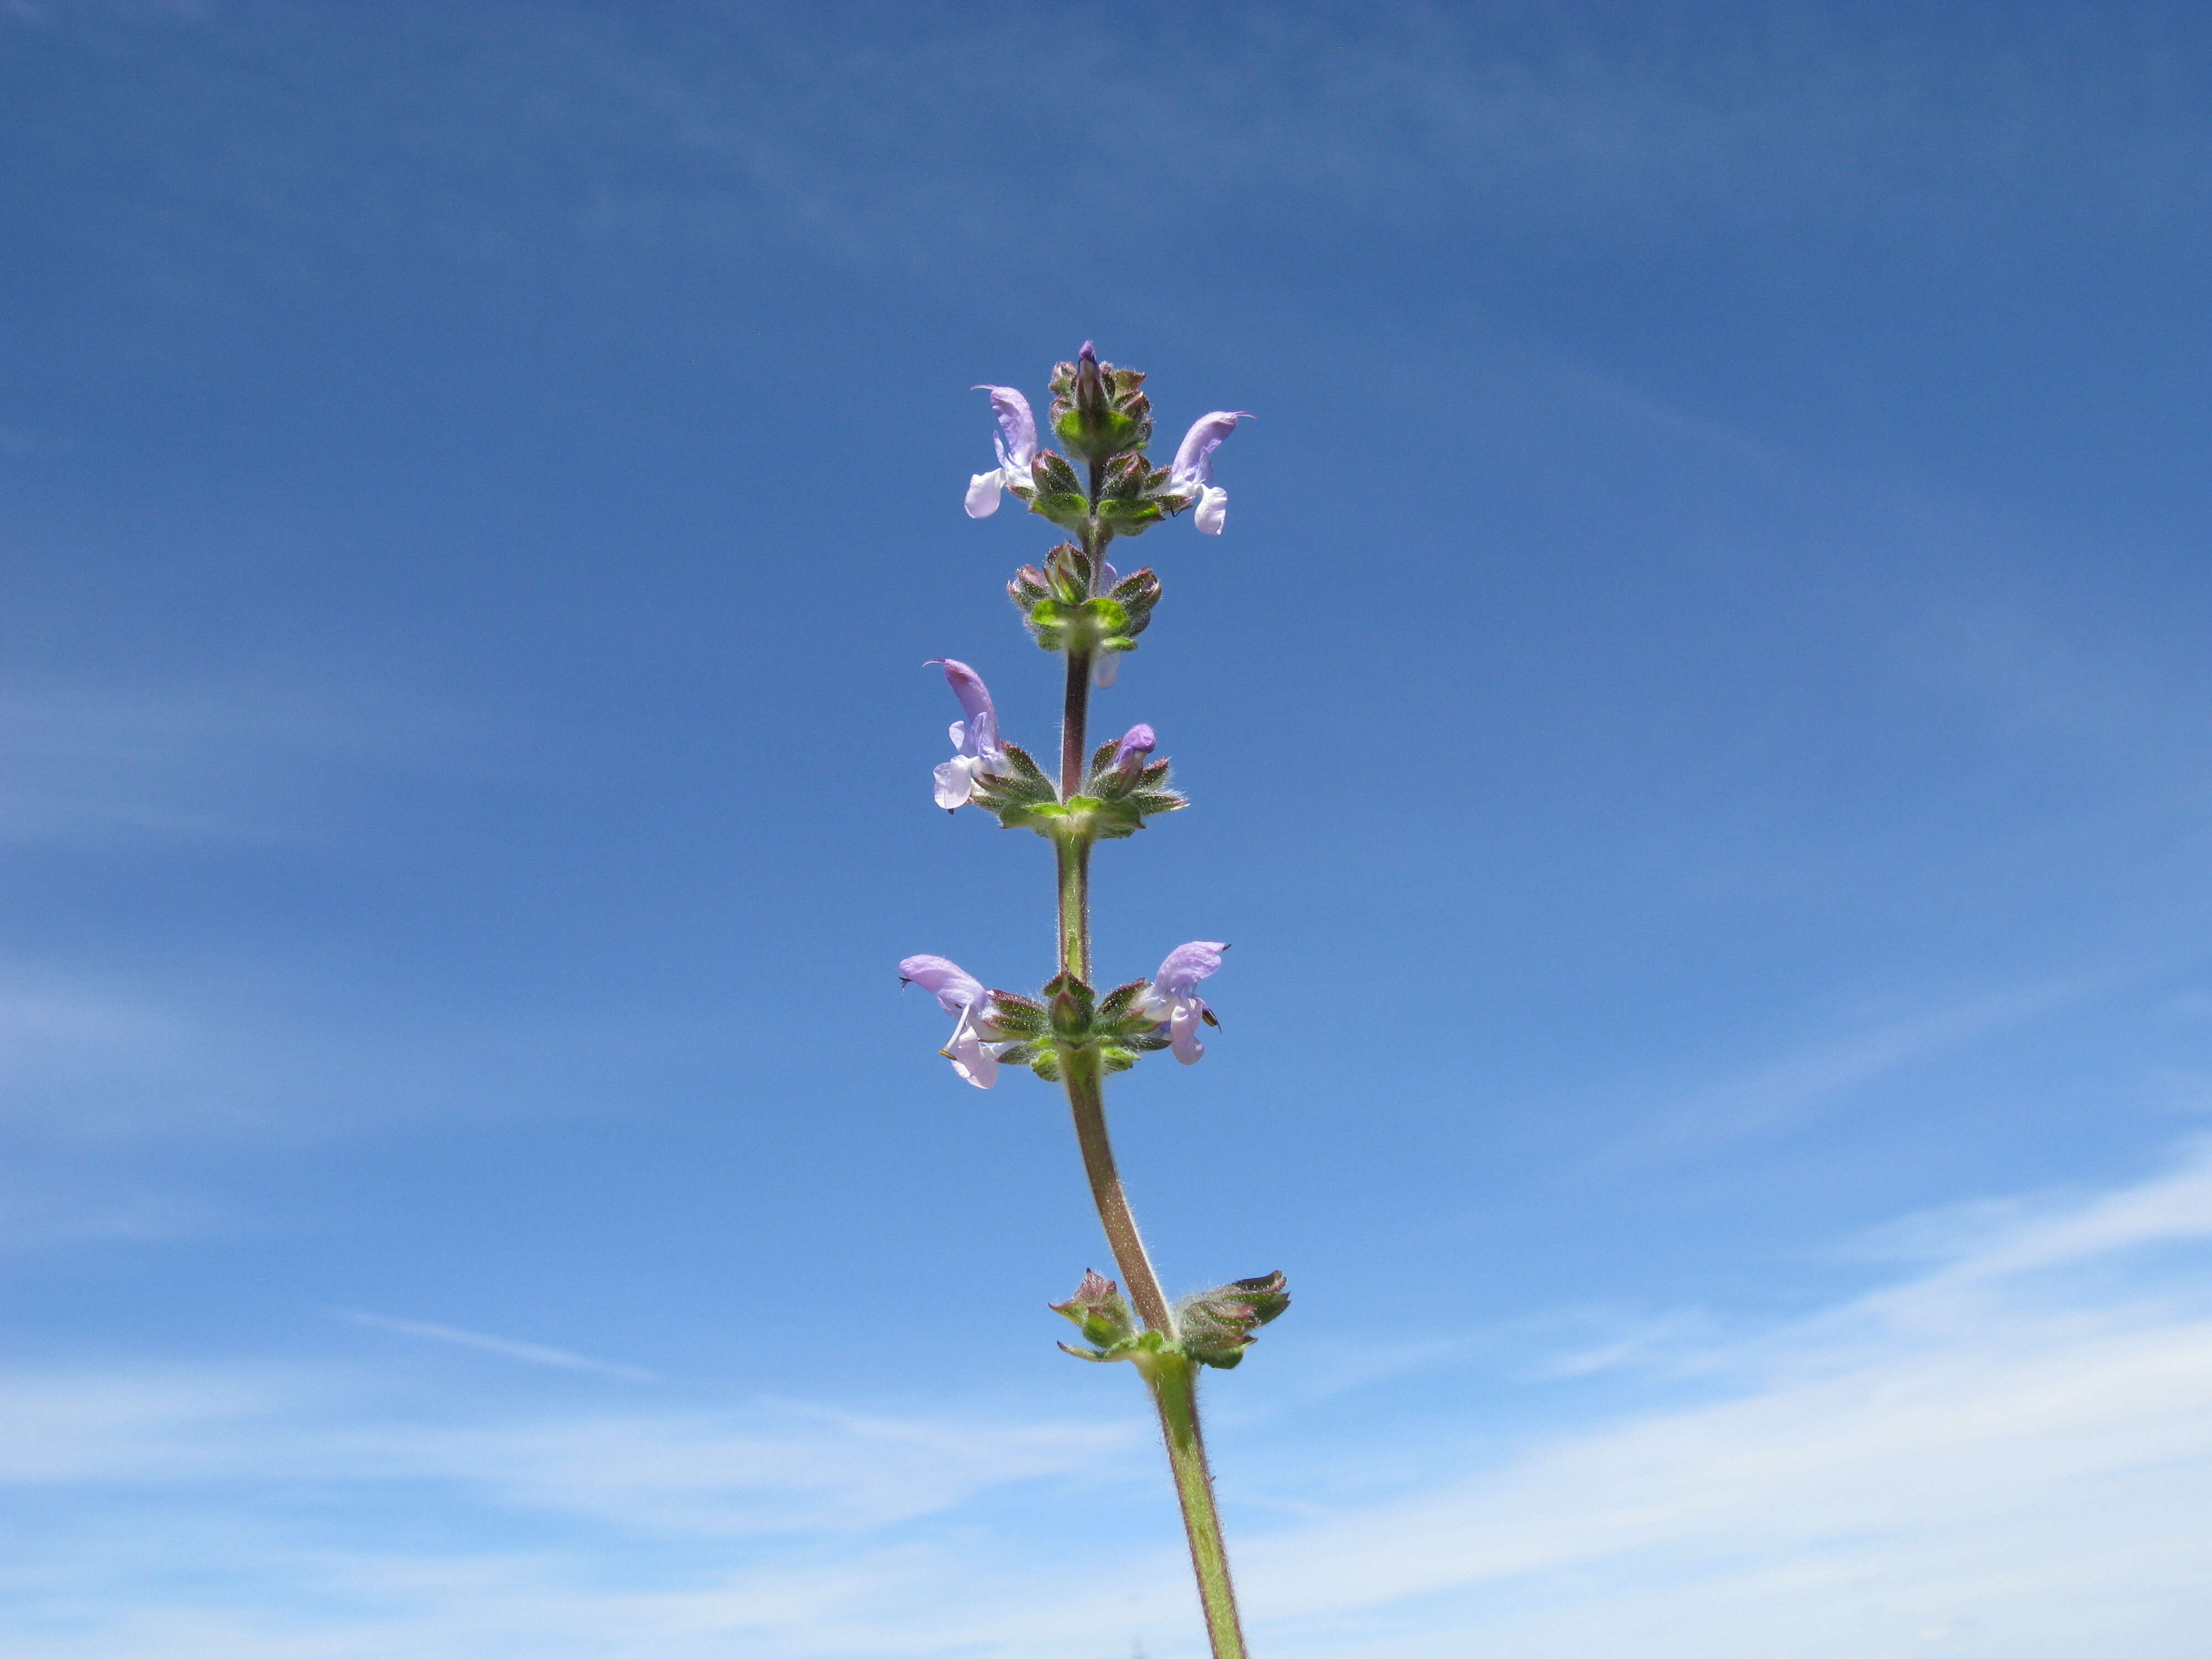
{"x":1082,"y":463}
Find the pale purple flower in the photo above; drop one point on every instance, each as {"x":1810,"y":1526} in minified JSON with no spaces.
{"x":972,"y":1050}
{"x":980,"y":754}
{"x":1135,"y":749}
{"x":1015,"y":439}
{"x":1192,"y":471}
{"x":1173,"y":999}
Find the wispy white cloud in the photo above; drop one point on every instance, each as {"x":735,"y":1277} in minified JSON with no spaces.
{"x":190,"y":760}
{"x":1992,"y":1451}
{"x":98,"y":1063}
{"x":772,"y":1468}
{"x":1786,"y":1091}
{"x":1539,"y":126}
{"x":92,"y":1060}
{"x":43,"y":1206}
{"x":726,"y":128}
{"x":528,"y":1353}
{"x":2006,"y":1453}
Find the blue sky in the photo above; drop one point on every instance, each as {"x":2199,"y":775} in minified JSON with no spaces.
{"x":1698,"y":729}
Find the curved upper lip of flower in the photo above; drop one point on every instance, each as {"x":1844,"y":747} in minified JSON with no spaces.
{"x":968,"y":685}
{"x":1016,"y":438}
{"x":1194,"y":458}
{"x":956,"y":989}
{"x":1187,"y":964}
{"x":971,"y":1048}
{"x":1136,"y":747}
{"x":976,"y":750}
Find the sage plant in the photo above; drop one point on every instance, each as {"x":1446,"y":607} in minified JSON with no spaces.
{"x":1077,"y":606}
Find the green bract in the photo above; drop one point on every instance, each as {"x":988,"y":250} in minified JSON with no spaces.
{"x":1114,"y":805}
{"x":1080,"y":628}
{"x":1134,"y":495}
{"x":1055,"y":492}
{"x":1069,"y":1021}
{"x":1063,"y":613}
{"x":1212,"y":1328}
{"x":1215,"y":1327}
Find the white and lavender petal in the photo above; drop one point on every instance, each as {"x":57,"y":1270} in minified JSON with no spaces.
{"x":1187,"y":964}
{"x":967,"y":685}
{"x":975,"y":1059}
{"x":1016,"y":442}
{"x":1173,"y":999}
{"x":956,"y":989}
{"x":1193,"y":459}
{"x":954,"y":781}
{"x":1183,"y":1022}
{"x":1016,"y":435}
{"x":973,"y":1053}
{"x":980,"y":754}
{"x":983,"y":493}
{"x":1136,"y":748}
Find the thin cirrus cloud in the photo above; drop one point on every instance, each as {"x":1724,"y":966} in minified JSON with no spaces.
{"x":1557,"y":125}
{"x":527,"y":1353}
{"x":128,"y":763}
{"x":1985,"y":1459}
{"x":1548,"y":128}
{"x":1786,"y":1092}
{"x":2006,"y":1452}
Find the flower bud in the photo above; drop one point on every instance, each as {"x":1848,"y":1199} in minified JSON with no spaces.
{"x":1215,"y":1327}
{"x":1069,"y":1008}
{"x":1133,"y":750}
{"x":1098,"y":1310}
{"x":1098,"y":411}
{"x":1090,"y":385}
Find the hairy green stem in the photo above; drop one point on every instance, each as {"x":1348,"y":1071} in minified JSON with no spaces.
{"x":1172,"y":1379}
{"x":1086,"y":1099}
{"x":1074,"y":855}
{"x":1074,"y":907}
{"x":1175,"y":1390}
{"x":1074,"y":716}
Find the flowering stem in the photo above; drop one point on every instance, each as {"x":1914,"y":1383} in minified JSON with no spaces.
{"x":1175,"y":1390}
{"x":1172,"y":1379}
{"x":1087,"y":1097}
{"x":1074,"y":712}
{"x":1086,"y":1090}
{"x":1074,"y":859}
